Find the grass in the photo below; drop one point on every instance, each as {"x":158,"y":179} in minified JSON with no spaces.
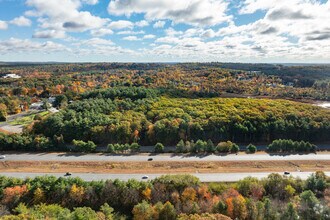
{"x":26,"y":120}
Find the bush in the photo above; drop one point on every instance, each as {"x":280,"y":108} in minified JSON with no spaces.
{"x":159,"y":148}
{"x":226,"y":147}
{"x":234,"y":148}
{"x":111,"y":148}
{"x":82,"y":146}
{"x":251,"y":149}
{"x":135,"y":147}
{"x":116,"y":148}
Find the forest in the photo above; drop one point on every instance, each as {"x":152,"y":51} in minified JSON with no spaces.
{"x":167,"y":197}
{"x":145,"y":104}
{"x":40,"y":81}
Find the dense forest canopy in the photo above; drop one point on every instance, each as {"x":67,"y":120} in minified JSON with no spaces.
{"x":167,"y":197}
{"x":149,"y":103}
{"x":106,"y":116}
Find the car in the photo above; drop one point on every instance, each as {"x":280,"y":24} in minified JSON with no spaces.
{"x":2,"y":157}
{"x":67,"y":174}
{"x":145,"y":177}
{"x":150,"y":159}
{"x":286,"y":172}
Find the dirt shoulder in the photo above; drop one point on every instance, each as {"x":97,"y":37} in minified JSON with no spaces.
{"x":163,"y":166}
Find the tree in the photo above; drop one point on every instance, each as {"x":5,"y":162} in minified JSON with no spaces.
{"x":199,"y":146}
{"x":290,"y":213}
{"x":46,"y":105}
{"x":308,"y":205}
{"x":180,"y":147}
{"x":38,"y":196}
{"x":107,"y":211}
{"x":3,"y":112}
{"x":251,"y":149}
{"x":168,"y":212}
{"x":269,"y":212}
{"x":316,"y":182}
{"x":143,"y":211}
{"x":210,"y":148}
{"x":82,"y":213}
{"x":159,"y":148}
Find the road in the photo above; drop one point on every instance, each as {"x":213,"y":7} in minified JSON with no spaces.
{"x":204,"y":177}
{"x":162,"y":157}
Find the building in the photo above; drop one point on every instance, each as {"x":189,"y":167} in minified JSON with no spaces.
{"x":11,"y":76}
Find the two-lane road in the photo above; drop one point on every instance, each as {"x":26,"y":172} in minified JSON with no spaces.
{"x":159,"y":157}
{"x":204,"y":177}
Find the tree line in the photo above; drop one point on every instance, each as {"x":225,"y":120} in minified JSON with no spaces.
{"x":166,"y":197}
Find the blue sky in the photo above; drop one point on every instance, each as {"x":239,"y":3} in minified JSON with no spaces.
{"x":165,"y":30}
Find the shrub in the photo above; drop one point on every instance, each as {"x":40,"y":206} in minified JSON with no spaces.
{"x":251,"y":149}
{"x":226,"y":147}
{"x":234,"y":148}
{"x":82,"y":146}
{"x":159,"y":148}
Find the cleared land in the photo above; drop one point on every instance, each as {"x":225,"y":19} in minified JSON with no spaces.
{"x":163,"y":166}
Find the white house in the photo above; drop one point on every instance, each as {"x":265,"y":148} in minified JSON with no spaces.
{"x":12,"y":76}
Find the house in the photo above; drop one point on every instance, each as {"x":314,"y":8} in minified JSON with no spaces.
{"x":12,"y":76}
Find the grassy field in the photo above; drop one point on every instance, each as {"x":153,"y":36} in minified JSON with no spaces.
{"x":28,"y":119}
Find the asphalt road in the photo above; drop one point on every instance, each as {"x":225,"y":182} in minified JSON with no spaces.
{"x":204,"y":177}
{"x":159,"y":157}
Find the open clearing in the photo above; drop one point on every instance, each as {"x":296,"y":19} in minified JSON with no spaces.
{"x":163,"y":166}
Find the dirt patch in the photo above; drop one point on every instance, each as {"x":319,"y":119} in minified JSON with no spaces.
{"x":163,"y":167}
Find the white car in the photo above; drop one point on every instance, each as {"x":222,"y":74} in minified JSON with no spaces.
{"x":2,"y":157}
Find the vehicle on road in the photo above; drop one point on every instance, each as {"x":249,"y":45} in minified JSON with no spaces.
{"x":286,"y":172}
{"x":145,"y":177}
{"x":67,"y":174}
{"x":2,"y":157}
{"x":150,"y":159}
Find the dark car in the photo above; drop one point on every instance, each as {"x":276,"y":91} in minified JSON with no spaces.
{"x":145,"y":177}
{"x":286,"y":172}
{"x":67,"y":174}
{"x":150,"y":159}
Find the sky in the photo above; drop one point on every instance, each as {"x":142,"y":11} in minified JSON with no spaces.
{"x":254,"y":31}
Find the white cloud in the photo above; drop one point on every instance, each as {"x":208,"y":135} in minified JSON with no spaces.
{"x":96,"y":41}
{"x":3,"y":25}
{"x":251,"y":6}
{"x":159,"y":24}
{"x":208,"y":33}
{"x":49,"y":34}
{"x":131,"y":38}
{"x":130,"y":32}
{"x":21,"y":21}
{"x":91,"y":2}
{"x":65,"y":15}
{"x":14,"y":45}
{"x":149,"y":36}
{"x":121,"y":24}
{"x":142,"y":23}
{"x":101,"y":32}
{"x":193,"y":12}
